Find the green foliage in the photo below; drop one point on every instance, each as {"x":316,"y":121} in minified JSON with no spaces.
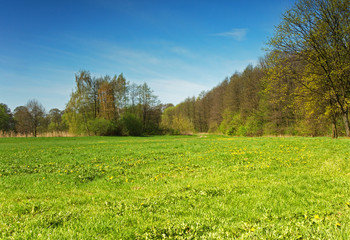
{"x":75,"y":122}
{"x":132,"y":124}
{"x":226,"y":120}
{"x":234,"y":125}
{"x":111,"y":106}
{"x":23,"y":121}
{"x":301,"y":87}
{"x":6,"y":119}
{"x":314,"y":34}
{"x":100,"y":126}
{"x":254,"y":126}
{"x":177,"y":122}
{"x":182,"y":124}
{"x":175,"y":187}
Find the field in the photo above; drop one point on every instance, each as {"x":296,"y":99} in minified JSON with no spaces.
{"x":174,"y":187}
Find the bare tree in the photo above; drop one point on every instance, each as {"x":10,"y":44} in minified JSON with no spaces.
{"x":36,"y":113}
{"x":22,"y":119}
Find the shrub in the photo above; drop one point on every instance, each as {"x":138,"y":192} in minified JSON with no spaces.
{"x":100,"y":126}
{"x":132,"y":125}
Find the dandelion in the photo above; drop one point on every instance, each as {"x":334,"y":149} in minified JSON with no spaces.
{"x":252,"y":229}
{"x":337,"y":225}
{"x":316,"y":217}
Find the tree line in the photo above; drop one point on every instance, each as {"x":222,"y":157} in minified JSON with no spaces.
{"x":97,"y":106}
{"x":301,"y":86}
{"x":112,"y":106}
{"x":30,"y":120}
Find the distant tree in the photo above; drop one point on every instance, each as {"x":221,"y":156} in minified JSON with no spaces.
{"x":76,"y":116}
{"x":84,"y":104}
{"x":279,"y":93}
{"x":133,"y":124}
{"x":232,"y":94}
{"x":202,"y":111}
{"x":6,"y":118}
{"x":23,"y":120}
{"x":95,"y":100}
{"x":56,"y":121}
{"x":148,"y":101}
{"x":121,"y":88}
{"x":216,"y":96}
{"x":134,"y":92}
{"x":100,"y":126}
{"x":168,"y":117}
{"x":87,"y":94}
{"x":106,"y":100}
{"x":36,"y":112}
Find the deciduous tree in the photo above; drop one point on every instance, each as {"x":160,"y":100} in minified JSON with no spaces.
{"x":23,"y":120}
{"x":6,"y":118}
{"x":318,"y":32}
{"x":36,"y":112}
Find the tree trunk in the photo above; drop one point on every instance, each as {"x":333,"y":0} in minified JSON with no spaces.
{"x":334,"y":129}
{"x":346,"y":122}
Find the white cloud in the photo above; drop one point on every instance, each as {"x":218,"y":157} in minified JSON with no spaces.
{"x":238,"y":34}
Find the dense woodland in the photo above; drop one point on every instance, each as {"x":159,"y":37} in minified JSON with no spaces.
{"x":300,"y":87}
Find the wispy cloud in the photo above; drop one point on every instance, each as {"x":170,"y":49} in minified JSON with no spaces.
{"x":239,"y":34}
{"x":173,"y":71}
{"x":180,"y":51}
{"x":174,"y":90}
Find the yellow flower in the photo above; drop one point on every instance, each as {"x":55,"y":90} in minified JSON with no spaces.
{"x":317,"y":217}
{"x":252,"y":229}
{"x":337,"y":225}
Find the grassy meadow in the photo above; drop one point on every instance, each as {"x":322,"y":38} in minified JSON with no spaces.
{"x":174,"y":187}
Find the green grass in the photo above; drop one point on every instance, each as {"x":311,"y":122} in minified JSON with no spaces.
{"x":183,"y":187}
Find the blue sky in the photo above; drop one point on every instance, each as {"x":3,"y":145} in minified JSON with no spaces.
{"x":179,"y":48}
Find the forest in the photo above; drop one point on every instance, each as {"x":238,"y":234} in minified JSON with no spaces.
{"x":300,"y":87}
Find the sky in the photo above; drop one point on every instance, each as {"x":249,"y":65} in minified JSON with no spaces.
{"x":179,"y":48}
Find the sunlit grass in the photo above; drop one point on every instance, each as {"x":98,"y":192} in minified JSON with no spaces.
{"x":184,"y":187}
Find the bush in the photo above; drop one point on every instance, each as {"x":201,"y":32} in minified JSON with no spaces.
{"x":100,"y":126}
{"x":234,"y":126}
{"x":132,"y":125}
